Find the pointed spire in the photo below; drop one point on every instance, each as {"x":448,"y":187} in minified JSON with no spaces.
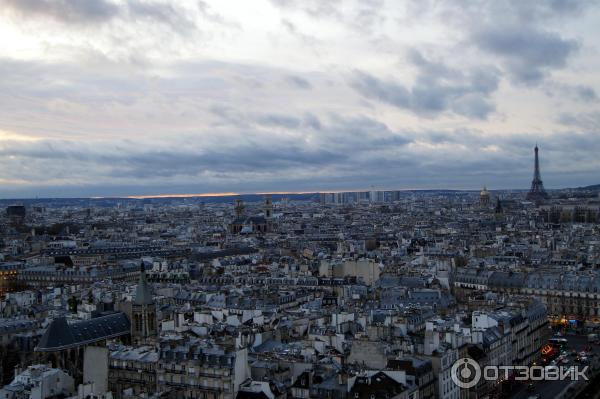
{"x":143,"y":293}
{"x":537,"y":191}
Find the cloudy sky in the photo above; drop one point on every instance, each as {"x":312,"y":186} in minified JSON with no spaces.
{"x":138,"y":97}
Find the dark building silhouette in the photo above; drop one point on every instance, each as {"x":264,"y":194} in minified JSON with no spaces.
{"x":253,"y":224}
{"x":498,"y":209}
{"x":16,"y":214}
{"x":143,"y":311}
{"x":537,"y":193}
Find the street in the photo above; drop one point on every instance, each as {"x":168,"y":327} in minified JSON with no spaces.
{"x":554,"y":389}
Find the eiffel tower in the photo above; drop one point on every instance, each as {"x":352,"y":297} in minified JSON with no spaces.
{"x":537,"y":193}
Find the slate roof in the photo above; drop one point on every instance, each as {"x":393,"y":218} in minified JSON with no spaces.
{"x":508,"y":280}
{"x":379,"y":385}
{"x":61,"y":335}
{"x":490,"y":336}
{"x":564,"y":282}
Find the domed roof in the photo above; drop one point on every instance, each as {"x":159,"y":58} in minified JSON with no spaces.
{"x":484,"y":192}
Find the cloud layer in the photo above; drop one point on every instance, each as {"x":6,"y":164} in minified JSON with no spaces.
{"x":126,"y":97}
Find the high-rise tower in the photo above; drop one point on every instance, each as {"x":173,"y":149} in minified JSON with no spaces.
{"x":537,"y":193}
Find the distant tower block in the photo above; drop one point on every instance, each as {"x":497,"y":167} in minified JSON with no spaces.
{"x":537,"y":193}
{"x":484,"y":197}
{"x":239,"y":208}
{"x":268,"y":206}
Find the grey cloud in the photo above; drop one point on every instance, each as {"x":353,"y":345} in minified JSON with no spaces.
{"x":579,"y":92}
{"x":308,"y":121}
{"x":438,"y":89}
{"x":255,"y":157}
{"x":70,"y":11}
{"x":255,"y":153}
{"x":49,"y":150}
{"x":508,"y":13}
{"x":285,"y":121}
{"x":134,"y":162}
{"x":528,"y":37}
{"x":338,"y":133}
{"x":229,"y":115}
{"x":589,"y":122}
{"x":268,"y":141}
{"x":576,"y":145}
{"x":473,"y":105}
{"x":544,"y":10}
{"x":100,"y":11}
{"x":389,"y":92}
{"x":205,"y":10}
{"x":368,"y":16}
{"x":237,"y":118}
{"x":312,"y":121}
{"x":361,"y":134}
{"x":299,"y":82}
{"x":160,"y":12}
{"x":528,"y":53}
{"x":314,"y":8}
{"x":364,"y":16}
{"x":470,"y":136}
{"x":431,"y":69}
{"x":294,"y":31}
{"x":586,"y":93}
{"x":370,"y":154}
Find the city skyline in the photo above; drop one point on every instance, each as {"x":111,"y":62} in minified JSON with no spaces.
{"x":148,"y":98}
{"x":299,"y":199}
{"x":536,"y":193}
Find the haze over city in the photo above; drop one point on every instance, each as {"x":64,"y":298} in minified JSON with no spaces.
{"x":132,"y":97}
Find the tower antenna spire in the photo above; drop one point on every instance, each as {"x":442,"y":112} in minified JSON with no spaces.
{"x":537,"y":193}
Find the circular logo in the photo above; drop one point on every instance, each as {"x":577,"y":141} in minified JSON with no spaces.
{"x":465,"y":373}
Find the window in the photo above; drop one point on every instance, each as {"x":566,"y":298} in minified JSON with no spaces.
{"x":151,"y":321}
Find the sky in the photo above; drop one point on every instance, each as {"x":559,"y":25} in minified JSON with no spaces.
{"x":145,"y":97}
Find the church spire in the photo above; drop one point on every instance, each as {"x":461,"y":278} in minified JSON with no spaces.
{"x":143,"y":292}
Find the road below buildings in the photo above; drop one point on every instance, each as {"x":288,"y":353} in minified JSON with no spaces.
{"x":565,"y":388}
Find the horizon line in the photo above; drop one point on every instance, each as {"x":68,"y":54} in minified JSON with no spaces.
{"x":234,"y":194}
